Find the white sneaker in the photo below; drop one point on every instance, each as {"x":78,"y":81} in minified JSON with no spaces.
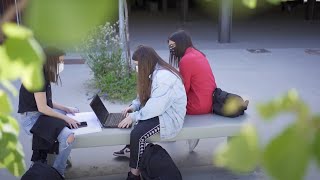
{"x":192,"y":144}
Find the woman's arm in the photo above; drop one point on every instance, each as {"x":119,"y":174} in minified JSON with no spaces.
{"x":156,"y":105}
{"x":135,"y":105}
{"x":70,"y":110}
{"x":59,"y":106}
{"x":41,"y":100}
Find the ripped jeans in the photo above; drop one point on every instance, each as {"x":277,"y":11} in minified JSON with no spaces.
{"x":28,"y":119}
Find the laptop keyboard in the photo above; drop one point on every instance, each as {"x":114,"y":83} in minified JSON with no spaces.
{"x":115,"y":119}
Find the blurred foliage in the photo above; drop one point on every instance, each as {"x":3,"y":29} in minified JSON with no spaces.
{"x":11,"y":153}
{"x":288,"y":154}
{"x":245,"y":144}
{"x":54,"y":23}
{"x":21,"y":57}
{"x":233,"y":105}
{"x":250,"y":3}
{"x":65,"y":23}
{"x":241,"y":8}
{"x":253,"y":3}
{"x":102,"y":51}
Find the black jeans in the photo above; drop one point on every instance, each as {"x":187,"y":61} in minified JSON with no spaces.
{"x":141,"y":132}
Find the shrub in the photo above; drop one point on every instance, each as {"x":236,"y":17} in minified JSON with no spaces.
{"x":113,"y":75}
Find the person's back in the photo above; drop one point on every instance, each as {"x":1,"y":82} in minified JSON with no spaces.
{"x":195,"y":70}
{"x":197,"y":75}
{"x":195,"y":66}
{"x":198,"y":80}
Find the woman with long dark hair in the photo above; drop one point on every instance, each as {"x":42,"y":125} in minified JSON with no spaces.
{"x":160,"y":106}
{"x":198,"y":79}
{"x":195,"y":70}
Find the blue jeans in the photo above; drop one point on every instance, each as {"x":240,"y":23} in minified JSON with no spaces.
{"x":30,"y":118}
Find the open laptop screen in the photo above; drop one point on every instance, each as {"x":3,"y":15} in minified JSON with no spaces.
{"x":99,"y":109}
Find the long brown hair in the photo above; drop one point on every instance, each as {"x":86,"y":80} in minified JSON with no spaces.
{"x":147,"y":60}
{"x":51,"y":65}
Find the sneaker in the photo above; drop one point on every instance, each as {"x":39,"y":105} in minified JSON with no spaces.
{"x":132,"y":176}
{"x":125,"y":152}
{"x":192,"y":144}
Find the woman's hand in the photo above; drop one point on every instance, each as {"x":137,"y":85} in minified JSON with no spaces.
{"x":126,"y":122}
{"x":127,"y":110}
{"x":73,"y":124}
{"x":71,"y":110}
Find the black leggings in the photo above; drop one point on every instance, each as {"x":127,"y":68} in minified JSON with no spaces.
{"x":141,"y":132}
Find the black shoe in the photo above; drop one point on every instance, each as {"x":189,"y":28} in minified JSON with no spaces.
{"x":125,"y":152}
{"x":133,"y":177}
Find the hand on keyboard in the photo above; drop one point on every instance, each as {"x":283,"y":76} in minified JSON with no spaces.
{"x":127,"y":110}
{"x":126,"y":123}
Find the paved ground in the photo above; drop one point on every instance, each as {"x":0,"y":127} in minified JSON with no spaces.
{"x":258,"y":77}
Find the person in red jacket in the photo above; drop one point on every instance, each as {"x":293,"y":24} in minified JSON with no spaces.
{"x":195,"y":69}
{"x":197,"y":75}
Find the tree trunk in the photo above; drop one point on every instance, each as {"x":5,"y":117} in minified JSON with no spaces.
{"x":122,"y":32}
{"x":127,"y":37}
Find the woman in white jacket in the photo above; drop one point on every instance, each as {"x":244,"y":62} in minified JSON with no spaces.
{"x":160,"y":106}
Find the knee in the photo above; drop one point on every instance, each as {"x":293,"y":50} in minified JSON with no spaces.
{"x":70,"y":138}
{"x":134,"y":135}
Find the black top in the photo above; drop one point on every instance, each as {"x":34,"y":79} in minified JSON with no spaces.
{"x":27,"y":102}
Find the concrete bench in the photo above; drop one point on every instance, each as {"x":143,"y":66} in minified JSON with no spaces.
{"x":195,"y":127}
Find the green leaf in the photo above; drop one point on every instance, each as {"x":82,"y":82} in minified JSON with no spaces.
{"x":14,"y":123}
{"x":11,"y":153}
{"x":12,"y":30}
{"x":25,"y":50}
{"x":232,"y":105}
{"x":64,"y":23}
{"x":275,"y":2}
{"x":9,"y":125}
{"x":5,"y":151}
{"x":33,"y":77}
{"x":287,"y":103}
{"x":316,"y":147}
{"x":287,"y":155}
{"x":14,"y":163}
{"x":250,"y":3}
{"x":241,"y":154}
{"x":9,"y":70}
{"x":5,"y":105}
{"x":7,"y":84}
{"x":316,"y":141}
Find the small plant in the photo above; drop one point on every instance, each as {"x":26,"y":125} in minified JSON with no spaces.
{"x":112,"y":74}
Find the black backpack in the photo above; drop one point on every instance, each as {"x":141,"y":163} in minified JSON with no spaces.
{"x":42,"y":171}
{"x":220,"y":99}
{"x":156,"y":164}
